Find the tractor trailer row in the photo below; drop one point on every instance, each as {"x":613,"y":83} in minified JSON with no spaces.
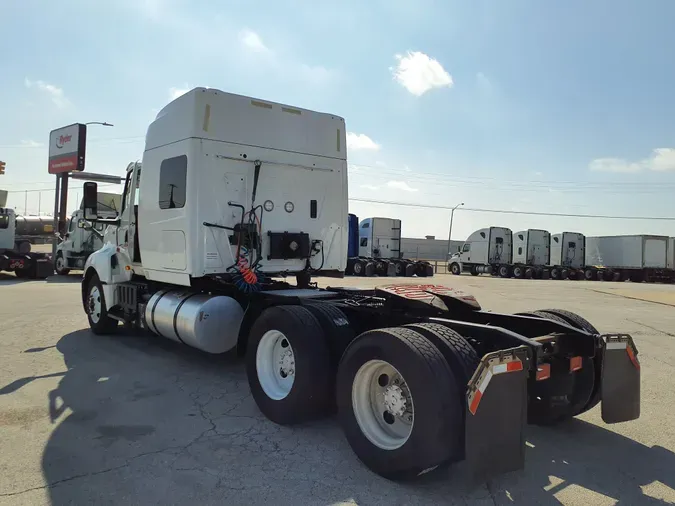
{"x":535,"y":253}
{"x":374,"y":249}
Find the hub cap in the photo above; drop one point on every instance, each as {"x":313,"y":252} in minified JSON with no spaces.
{"x":275,"y":365}
{"x":382,"y":404}
{"x":94,"y":304}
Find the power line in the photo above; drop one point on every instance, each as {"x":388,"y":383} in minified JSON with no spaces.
{"x":482,"y":180}
{"x":94,"y":140}
{"x":505,"y":211}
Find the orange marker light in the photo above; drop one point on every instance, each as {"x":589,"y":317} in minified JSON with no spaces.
{"x":575,"y":363}
{"x":543,"y":372}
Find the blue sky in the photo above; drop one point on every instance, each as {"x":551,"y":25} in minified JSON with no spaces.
{"x":522,"y":105}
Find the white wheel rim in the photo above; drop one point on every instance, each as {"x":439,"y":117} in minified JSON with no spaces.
{"x":94,"y":302}
{"x":357,"y":268}
{"x":383,"y":405}
{"x":275,"y":365}
{"x":60,"y":263}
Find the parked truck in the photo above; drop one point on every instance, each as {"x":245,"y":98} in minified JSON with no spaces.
{"x":80,"y":241}
{"x":486,"y":251}
{"x":628,"y":257}
{"x":568,"y":250}
{"x":32,"y":230}
{"x":380,"y":251}
{"x":24,"y":264}
{"x":237,"y":195}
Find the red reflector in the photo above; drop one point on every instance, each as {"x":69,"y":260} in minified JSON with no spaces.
{"x":543,"y":372}
{"x":633,"y":358}
{"x":575,"y":363}
{"x":475,"y":402}
{"x":517,"y":365}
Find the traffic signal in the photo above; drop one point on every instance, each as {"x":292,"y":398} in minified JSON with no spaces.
{"x":2,"y":168}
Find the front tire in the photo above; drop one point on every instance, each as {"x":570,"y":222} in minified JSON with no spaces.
{"x":288,"y":365}
{"x":96,"y":309}
{"x":61,"y":266}
{"x":455,"y":269}
{"x":398,"y":403}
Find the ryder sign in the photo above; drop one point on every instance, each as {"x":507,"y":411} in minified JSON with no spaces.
{"x":66,"y":148}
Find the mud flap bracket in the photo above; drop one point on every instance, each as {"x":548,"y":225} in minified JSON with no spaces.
{"x":620,"y":379}
{"x":496,"y":413}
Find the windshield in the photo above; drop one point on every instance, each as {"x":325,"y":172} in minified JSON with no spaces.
{"x":4,"y":221}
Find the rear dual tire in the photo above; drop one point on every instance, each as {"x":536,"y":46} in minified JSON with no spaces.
{"x":421,"y":427}
{"x":288,"y":365}
{"x":584,"y":393}
{"x":407,"y":432}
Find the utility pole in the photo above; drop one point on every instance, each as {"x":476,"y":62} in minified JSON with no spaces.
{"x":452,"y":214}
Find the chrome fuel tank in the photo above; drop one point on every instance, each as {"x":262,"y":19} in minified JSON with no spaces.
{"x":207,"y":322}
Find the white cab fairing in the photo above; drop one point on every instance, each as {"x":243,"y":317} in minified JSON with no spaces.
{"x":208,"y":142}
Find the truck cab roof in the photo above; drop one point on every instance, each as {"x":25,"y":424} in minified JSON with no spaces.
{"x":208,"y":113}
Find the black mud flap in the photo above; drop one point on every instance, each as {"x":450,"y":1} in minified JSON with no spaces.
{"x":620,"y":379}
{"x":44,"y":269}
{"x":496,"y":413}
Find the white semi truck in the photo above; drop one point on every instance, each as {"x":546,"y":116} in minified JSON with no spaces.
{"x":486,"y":251}
{"x":380,"y":251}
{"x":80,"y":240}
{"x":24,"y":264}
{"x":236,"y":193}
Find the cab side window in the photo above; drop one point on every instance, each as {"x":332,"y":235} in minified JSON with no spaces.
{"x":173,"y":182}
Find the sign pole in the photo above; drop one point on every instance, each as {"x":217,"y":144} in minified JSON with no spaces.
{"x":63,"y":204}
{"x":55,"y":239}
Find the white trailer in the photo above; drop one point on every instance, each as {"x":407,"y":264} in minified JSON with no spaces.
{"x":628,"y":257}
{"x":236,"y":193}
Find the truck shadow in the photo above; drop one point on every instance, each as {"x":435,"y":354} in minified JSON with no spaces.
{"x":579,"y":462}
{"x":70,"y":278}
{"x":140,"y":419}
{"x":10,"y":279}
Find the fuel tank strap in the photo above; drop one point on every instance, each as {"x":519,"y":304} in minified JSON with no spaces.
{"x":175,"y":316}
{"x":160,"y":294}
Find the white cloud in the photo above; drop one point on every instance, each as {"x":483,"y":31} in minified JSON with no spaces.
{"x":419,"y":73}
{"x":370,"y":187}
{"x":54,"y":92}
{"x":29,"y":143}
{"x":251,"y":40}
{"x":361,"y":141}
{"x":401,"y":185}
{"x":661,"y":160}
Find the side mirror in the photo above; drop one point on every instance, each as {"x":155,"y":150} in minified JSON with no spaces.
{"x":90,"y":201}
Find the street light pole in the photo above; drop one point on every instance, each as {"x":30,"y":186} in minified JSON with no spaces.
{"x":452,"y":214}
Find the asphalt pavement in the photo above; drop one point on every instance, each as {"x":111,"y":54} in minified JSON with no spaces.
{"x":137,"y":419}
